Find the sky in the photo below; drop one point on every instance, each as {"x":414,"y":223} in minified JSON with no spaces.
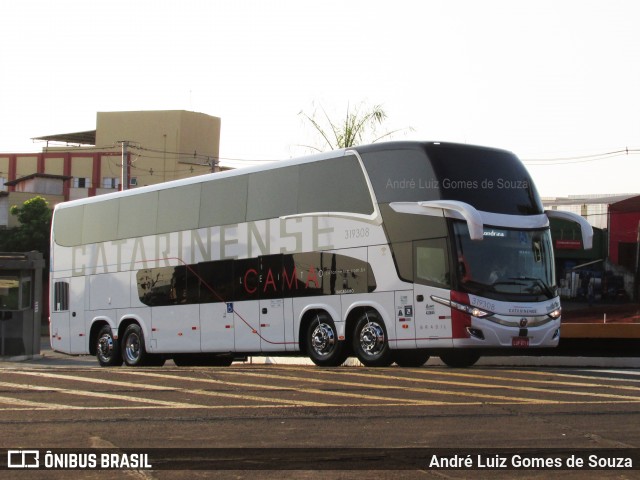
{"x":556,"y":82}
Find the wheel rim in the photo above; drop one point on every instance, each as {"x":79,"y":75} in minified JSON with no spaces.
{"x":323,"y":339}
{"x":132,"y":348}
{"x":372,"y":339}
{"x":105,"y":347}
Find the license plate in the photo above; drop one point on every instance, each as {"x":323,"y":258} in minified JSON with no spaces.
{"x":520,"y":342}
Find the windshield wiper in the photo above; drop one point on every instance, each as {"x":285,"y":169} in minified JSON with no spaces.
{"x":509,"y":283}
{"x":543,"y":286}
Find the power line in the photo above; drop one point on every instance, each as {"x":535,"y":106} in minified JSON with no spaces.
{"x":581,"y":158}
{"x":195,"y":154}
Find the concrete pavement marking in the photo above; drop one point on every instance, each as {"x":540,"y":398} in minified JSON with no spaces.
{"x":171,"y":389}
{"x":30,"y":405}
{"x":625,"y":398}
{"x":498,"y":398}
{"x":101,"y":395}
{"x":616,"y":372}
{"x":548,"y":382}
{"x":592,"y":377}
{"x":304,"y":390}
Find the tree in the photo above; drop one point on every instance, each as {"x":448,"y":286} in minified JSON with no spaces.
{"x":359,"y":125}
{"x":33,"y":232}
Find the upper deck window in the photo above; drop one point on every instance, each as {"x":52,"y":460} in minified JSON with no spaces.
{"x":332,"y":185}
{"x":490,"y":180}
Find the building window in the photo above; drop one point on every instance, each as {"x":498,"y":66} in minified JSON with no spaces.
{"x":2,"y":182}
{"x":111,"y":182}
{"x":80,"y":182}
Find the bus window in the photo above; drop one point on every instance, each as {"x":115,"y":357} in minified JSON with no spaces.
{"x":431,"y":262}
{"x":216,"y":281}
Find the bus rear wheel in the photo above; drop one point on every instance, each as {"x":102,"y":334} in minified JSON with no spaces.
{"x":134,"y":352}
{"x":460,"y":358}
{"x":322,"y":344}
{"x":107,"y":349}
{"x":370,"y":341}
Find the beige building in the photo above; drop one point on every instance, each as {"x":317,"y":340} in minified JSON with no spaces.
{"x":159,"y":146}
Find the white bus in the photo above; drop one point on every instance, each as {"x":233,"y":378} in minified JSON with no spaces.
{"x":391,"y":252}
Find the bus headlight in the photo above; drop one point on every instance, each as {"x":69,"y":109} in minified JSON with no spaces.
{"x":556,"y":313}
{"x":463,"y":307}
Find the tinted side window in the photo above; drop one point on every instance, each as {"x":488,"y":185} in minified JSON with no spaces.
{"x":271,"y":276}
{"x":178,"y":208}
{"x":403,"y":227}
{"x":99,"y":221}
{"x":403,"y":258}
{"x":138,"y":215}
{"x":491,"y":180}
{"x":216,"y":281}
{"x":60,"y":296}
{"x":68,"y":226}
{"x":431,"y":261}
{"x":224,"y":201}
{"x":401,"y":176}
{"x":336,"y":185}
{"x":167,"y":286}
{"x":273,"y":193}
{"x":246,"y":273}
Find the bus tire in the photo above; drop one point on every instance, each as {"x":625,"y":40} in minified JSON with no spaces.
{"x":107,"y":349}
{"x":370,"y":341}
{"x":134,"y":352}
{"x":322,"y":344}
{"x":410,"y":358}
{"x":460,"y":358}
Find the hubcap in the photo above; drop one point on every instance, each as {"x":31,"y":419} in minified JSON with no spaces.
{"x":372,"y":339}
{"x":323,"y":339}
{"x":132,"y":348}
{"x":105,"y":347}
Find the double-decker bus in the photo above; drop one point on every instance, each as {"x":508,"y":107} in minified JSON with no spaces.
{"x":389,"y":252}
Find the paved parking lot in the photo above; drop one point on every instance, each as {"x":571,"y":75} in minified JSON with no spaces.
{"x":57,"y":401}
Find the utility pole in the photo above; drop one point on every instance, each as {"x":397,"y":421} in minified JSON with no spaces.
{"x":124,"y":177}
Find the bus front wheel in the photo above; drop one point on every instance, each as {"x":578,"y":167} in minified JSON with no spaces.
{"x":410,"y":358}
{"x":460,"y":358}
{"x":322,"y":344}
{"x":370,"y":341}
{"x":107,"y":349}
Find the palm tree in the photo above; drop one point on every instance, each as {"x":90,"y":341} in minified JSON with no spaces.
{"x":359,"y":124}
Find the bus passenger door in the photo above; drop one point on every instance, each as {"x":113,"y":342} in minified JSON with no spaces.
{"x":77,"y":325}
{"x":272,"y":336}
{"x":432,"y":278}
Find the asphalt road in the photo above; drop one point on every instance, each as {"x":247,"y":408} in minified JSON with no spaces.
{"x":68,"y":402}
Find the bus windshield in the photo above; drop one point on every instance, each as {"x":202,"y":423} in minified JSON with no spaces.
{"x":506,"y":264}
